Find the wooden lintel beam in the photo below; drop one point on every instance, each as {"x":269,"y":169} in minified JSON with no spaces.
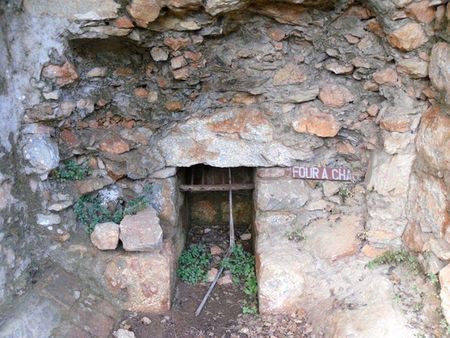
{"x":216,"y":187}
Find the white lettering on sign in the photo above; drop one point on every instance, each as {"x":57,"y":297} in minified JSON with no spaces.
{"x":322,"y":173}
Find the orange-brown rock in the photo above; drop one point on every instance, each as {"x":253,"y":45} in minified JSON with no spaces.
{"x":177,"y":43}
{"x":385,"y":76}
{"x":374,"y":26}
{"x":178,"y":62}
{"x":276,"y":34}
{"x":69,"y":138}
{"x":408,"y":37}
{"x":141,"y":92}
{"x":399,"y":124}
{"x":244,"y":98}
{"x":62,"y":75}
{"x":433,"y":139}
{"x":372,"y":110}
{"x":174,"y":106}
{"x":114,"y":145}
{"x":336,"y":96}
{"x":289,"y":74}
{"x":123,"y":22}
{"x":421,"y":11}
{"x":413,"y":237}
{"x":315,"y":122}
{"x":144,"y":11}
{"x":123,"y":71}
{"x":181,"y":74}
{"x":247,"y":123}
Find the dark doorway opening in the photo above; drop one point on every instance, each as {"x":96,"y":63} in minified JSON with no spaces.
{"x":207,"y":196}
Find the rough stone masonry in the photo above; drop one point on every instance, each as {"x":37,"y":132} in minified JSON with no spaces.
{"x":134,"y":90}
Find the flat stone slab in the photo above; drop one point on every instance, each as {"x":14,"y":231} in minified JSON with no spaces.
{"x":141,"y":232}
{"x":59,"y":305}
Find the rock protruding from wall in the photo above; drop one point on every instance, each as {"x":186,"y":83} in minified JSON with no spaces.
{"x":141,"y":232}
{"x":105,"y":236}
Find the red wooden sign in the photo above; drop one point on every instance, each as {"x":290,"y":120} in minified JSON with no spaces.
{"x":321,"y":173}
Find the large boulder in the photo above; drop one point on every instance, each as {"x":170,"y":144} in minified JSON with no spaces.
{"x":280,"y":280}
{"x":145,"y":280}
{"x":234,"y":137}
{"x":141,"y":232}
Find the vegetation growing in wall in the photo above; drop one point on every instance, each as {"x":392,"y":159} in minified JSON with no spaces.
{"x":242,"y":266}
{"x":296,"y":235}
{"x":344,"y":193}
{"x":72,"y":171}
{"x":396,"y":258}
{"x":90,"y":211}
{"x":133,"y":206}
{"x":193,"y":264}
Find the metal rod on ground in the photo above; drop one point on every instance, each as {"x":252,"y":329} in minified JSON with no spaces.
{"x":230,"y":248}
{"x":211,"y":287}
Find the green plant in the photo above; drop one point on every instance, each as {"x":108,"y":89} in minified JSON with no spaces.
{"x":433,"y":278}
{"x":249,"y":309}
{"x":395,"y":258}
{"x":362,"y":236}
{"x":242,"y":266}
{"x":445,"y":326}
{"x":89,"y":211}
{"x":344,"y":193}
{"x":193,"y":264}
{"x":418,"y":306}
{"x":135,"y":205}
{"x":397,"y":298}
{"x":296,"y":235}
{"x":72,"y":171}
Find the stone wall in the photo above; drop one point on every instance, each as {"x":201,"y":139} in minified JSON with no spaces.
{"x":136,"y":89}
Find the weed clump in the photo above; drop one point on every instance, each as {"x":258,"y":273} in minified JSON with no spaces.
{"x":242,"y":266}
{"x":193,"y":264}
{"x":296,"y":235}
{"x":90,"y":211}
{"x":72,"y":171}
{"x":396,"y":258}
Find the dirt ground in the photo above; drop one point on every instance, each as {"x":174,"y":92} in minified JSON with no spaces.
{"x":222,"y":316}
